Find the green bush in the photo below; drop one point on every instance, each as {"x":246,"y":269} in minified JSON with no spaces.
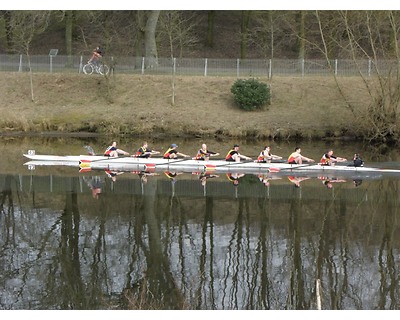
{"x":251,"y":94}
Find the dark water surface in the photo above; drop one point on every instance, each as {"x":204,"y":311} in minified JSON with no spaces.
{"x":79,"y":240}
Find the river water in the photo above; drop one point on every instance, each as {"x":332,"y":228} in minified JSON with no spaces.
{"x":83,"y":240}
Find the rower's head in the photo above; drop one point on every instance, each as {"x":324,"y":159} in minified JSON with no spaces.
{"x":204,"y":146}
{"x":114,"y":144}
{"x":330,"y":152}
{"x":297,"y":149}
{"x":174,"y":146}
{"x":145,"y":144}
{"x":267,"y":148}
{"x":236,"y":147}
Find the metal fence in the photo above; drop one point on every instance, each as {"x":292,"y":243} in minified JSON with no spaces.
{"x":202,"y":67}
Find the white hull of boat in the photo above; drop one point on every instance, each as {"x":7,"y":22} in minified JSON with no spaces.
{"x":187,"y":164}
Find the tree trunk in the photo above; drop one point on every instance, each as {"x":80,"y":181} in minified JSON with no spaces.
{"x":210,"y":28}
{"x":69,"y":20}
{"x":150,"y":39}
{"x":244,"y":33}
{"x":8,"y":27}
{"x":301,"y":35}
{"x":271,"y":20}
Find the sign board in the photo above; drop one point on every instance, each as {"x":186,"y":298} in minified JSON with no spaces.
{"x":53,"y":52}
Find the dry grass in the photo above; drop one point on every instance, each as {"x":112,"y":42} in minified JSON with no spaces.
{"x":132,"y":104}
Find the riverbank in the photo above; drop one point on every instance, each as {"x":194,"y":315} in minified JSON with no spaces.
{"x":307,"y":108}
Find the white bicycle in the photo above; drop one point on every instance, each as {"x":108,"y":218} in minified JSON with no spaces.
{"x":100,"y":68}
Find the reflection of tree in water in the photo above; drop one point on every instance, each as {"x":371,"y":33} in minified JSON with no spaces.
{"x":7,"y":211}
{"x":73,"y":290}
{"x":205,"y":291}
{"x":236,"y":255}
{"x":156,"y":288}
{"x":389,"y":275}
{"x":296,"y":295}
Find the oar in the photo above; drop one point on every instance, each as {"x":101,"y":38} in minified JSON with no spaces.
{"x":169,"y":161}
{"x":232,"y":163}
{"x":300,"y":166}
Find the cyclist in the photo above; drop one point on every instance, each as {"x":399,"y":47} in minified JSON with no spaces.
{"x":96,"y":56}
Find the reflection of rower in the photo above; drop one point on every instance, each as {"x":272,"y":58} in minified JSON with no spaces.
{"x":172,"y":175}
{"x":265,"y":178}
{"x":144,"y":174}
{"x":95,"y":184}
{"x":329,"y":182}
{"x":297,"y":180}
{"x":206,"y":175}
{"x":234,"y":177}
{"x":112,"y":174}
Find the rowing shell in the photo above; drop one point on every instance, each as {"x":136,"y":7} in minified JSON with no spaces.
{"x":189,"y":165}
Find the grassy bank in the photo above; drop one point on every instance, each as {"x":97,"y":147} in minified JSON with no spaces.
{"x":308,"y":107}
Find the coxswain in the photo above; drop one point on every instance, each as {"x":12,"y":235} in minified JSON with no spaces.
{"x":234,"y":155}
{"x":204,"y":154}
{"x":171,"y":153}
{"x":357,"y":161}
{"x":297,"y":158}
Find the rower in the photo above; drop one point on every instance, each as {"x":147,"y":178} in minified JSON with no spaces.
{"x":171,"y":153}
{"x":204,"y":154}
{"x":267,"y":156}
{"x":234,"y":155}
{"x":328,"y":159}
{"x":144,"y":151}
{"x":297,"y":158}
{"x":113,"y":151}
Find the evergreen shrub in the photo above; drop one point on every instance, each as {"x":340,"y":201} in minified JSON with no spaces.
{"x":251,"y":94}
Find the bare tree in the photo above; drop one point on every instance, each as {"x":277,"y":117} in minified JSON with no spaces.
{"x":244,"y":33}
{"x":371,"y":36}
{"x":25,"y":26}
{"x":179,"y":28}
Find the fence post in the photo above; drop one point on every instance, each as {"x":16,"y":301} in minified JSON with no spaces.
{"x":237,"y":68}
{"x":20,"y":63}
{"x":205,"y":67}
{"x":336,"y":67}
{"x":270,"y":69}
{"x":369,"y":67}
{"x":142,"y":65}
{"x":51,"y":64}
{"x":174,"y":65}
{"x":80,"y":64}
{"x":302,"y":68}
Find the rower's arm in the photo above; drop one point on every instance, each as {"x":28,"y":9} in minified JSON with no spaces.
{"x":182,"y":154}
{"x":308,"y":159}
{"x":123,"y":152}
{"x":242,"y":156}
